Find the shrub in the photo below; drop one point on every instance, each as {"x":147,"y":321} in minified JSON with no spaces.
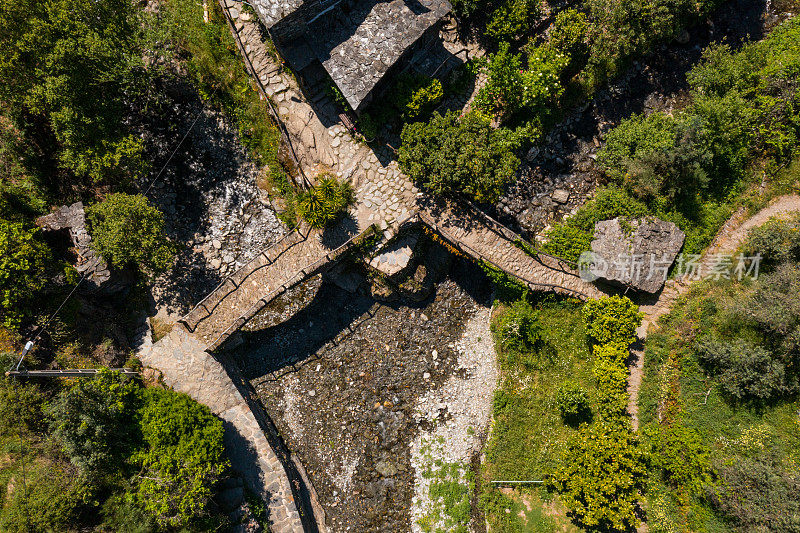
{"x":569,"y":35}
{"x":93,"y":421}
{"x":682,"y":456}
{"x":600,"y":476}
{"x":759,"y":493}
{"x":416,"y":96}
{"x":777,"y":241}
{"x":573,"y":404}
{"x":184,"y":459}
{"x":128,"y":231}
{"x":21,"y":406}
{"x":612,"y":380}
{"x":449,"y":156}
{"x":322,"y":205}
{"x":51,"y":500}
{"x":510,"y":89}
{"x":519,"y":327}
{"x":24,"y":259}
{"x":745,"y":370}
{"x":512,"y":19}
{"x":612,"y":319}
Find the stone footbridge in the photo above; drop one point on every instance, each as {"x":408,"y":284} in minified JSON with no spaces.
{"x":386,"y":200}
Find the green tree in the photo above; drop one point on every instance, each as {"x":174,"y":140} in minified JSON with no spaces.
{"x":94,"y":422}
{"x":573,"y":404}
{"x":682,"y":456}
{"x":451,"y":156}
{"x":128,"y":231}
{"x":70,"y":68}
{"x":323,"y":204}
{"x":612,"y":319}
{"x":601,"y":475}
{"x":21,"y":408}
{"x":183,"y":460}
{"x":24,"y":260}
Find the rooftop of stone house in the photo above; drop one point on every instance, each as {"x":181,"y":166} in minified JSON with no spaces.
{"x":357,"y":41}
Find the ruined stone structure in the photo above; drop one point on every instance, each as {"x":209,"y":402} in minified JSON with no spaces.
{"x":360,"y":43}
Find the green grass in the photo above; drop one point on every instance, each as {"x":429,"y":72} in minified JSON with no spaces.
{"x":450,"y":489}
{"x":528,"y":436}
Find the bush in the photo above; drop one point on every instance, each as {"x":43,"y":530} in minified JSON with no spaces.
{"x":129,"y":232}
{"x":21,"y":408}
{"x":759,"y":493}
{"x":416,"y":96}
{"x":51,"y":499}
{"x":612,"y":380}
{"x":519,"y":327}
{"x":184,"y":459}
{"x":24,"y":260}
{"x":612,"y":319}
{"x":569,"y":35}
{"x":573,"y":404}
{"x":777,"y":241}
{"x":322,"y":205}
{"x":449,"y":156}
{"x":510,"y":89}
{"x":745,"y":370}
{"x":600,"y":477}
{"x":682,"y":456}
{"x":94,"y":422}
{"x":512,"y":19}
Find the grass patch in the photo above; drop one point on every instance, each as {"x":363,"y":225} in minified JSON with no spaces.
{"x":160,"y":328}
{"x":449,"y":492}
{"x":529,"y":437}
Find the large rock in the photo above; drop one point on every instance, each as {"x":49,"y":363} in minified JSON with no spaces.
{"x":634,"y":253}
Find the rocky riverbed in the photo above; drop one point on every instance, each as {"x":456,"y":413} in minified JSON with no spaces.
{"x":354,"y":384}
{"x":211,"y":201}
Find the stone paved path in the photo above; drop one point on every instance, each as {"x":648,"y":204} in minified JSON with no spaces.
{"x":730,"y":237}
{"x":385,"y":198}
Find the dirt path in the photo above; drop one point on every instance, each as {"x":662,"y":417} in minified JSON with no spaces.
{"x":728,"y":240}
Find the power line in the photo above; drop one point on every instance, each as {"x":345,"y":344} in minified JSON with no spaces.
{"x":202,"y":110}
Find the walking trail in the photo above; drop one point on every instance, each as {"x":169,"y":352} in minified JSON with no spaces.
{"x":732,"y":235}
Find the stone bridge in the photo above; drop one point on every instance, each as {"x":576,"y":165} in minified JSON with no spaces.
{"x":386,"y":200}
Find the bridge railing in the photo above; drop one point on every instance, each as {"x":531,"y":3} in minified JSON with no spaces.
{"x":432,"y":223}
{"x":205,"y":307}
{"x":303,"y":273}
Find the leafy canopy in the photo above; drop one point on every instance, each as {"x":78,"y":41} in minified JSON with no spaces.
{"x":128,"y":231}
{"x":601,"y":475}
{"x":184,"y":458}
{"x":24,"y":260}
{"x":70,"y":68}
{"x":451,"y":156}
{"x":612,"y":319}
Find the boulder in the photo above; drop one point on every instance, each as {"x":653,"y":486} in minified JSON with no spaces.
{"x":633,"y":253}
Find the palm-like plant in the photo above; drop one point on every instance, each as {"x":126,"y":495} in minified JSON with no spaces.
{"x":322,"y":205}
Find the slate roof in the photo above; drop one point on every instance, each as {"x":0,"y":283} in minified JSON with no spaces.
{"x":357,"y":48}
{"x":357,"y":41}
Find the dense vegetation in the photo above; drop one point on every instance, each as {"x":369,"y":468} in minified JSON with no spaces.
{"x":108,"y":454}
{"x":324,"y":203}
{"x":81,"y":82}
{"x":719,"y":400}
{"x":534,"y":76}
{"x":691,"y":166}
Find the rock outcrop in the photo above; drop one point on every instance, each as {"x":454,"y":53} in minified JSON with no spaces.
{"x":71,"y":219}
{"x":634,"y":253}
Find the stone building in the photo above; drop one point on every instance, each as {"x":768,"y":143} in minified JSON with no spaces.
{"x":360,"y":43}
